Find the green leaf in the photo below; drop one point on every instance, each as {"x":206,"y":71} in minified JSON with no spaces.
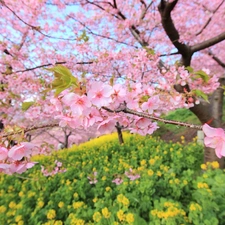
{"x":84,"y":36}
{"x":26,"y":105}
{"x":63,"y":79}
{"x":203,"y":75}
{"x":150,"y":51}
{"x":189,"y":69}
{"x":200,"y":93}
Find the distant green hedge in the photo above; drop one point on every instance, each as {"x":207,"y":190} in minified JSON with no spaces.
{"x":160,"y":183}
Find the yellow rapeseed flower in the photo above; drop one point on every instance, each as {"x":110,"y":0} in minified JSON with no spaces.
{"x":12,"y":205}
{"x":61,"y":204}
{"x":21,"y":194}
{"x":75,"y":195}
{"x":77,"y":205}
{"x":19,"y":206}
{"x":151,"y":161}
{"x":51,"y":214}
{"x":58,"y":222}
{"x":122,"y":199}
{"x":18,"y":218}
{"x":130,"y":218}
{"x":195,"y":206}
{"x":176,"y":181}
{"x":159,"y":174}
{"x":143,"y":162}
{"x":150,"y":172}
{"x":68,"y":182}
{"x":40,"y":204}
{"x":215,"y":165}
{"x":203,"y":166}
{"x":75,"y":221}
{"x":106,"y":213}
{"x":107,"y":189}
{"x":120,"y":215}
{"x":2,"y":209}
{"x":202,"y":185}
{"x":104,"y":178}
{"x":185,"y":182}
{"x":97,"y":216}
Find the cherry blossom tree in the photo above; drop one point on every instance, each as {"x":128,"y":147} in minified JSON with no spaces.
{"x":91,"y":62}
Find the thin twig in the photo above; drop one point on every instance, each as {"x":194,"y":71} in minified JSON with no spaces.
{"x":123,"y":108}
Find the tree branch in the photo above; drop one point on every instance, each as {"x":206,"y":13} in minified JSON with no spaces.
{"x":165,"y":8}
{"x":36,"y":28}
{"x":100,"y":35}
{"x":208,"y":43}
{"x":134,"y":31}
{"x":216,"y":59}
{"x":45,"y":65}
{"x":4,"y":135}
{"x":123,"y":108}
{"x":210,"y":18}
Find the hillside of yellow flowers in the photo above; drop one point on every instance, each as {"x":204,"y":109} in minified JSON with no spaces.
{"x":144,"y":181}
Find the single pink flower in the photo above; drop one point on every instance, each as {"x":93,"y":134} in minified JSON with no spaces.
{"x":132,"y":175}
{"x":151,"y":104}
{"x":100,"y":94}
{"x":93,"y":117}
{"x":106,"y":126}
{"x":119,"y":93}
{"x":215,"y":138}
{"x":3,"y":153}
{"x":17,"y":152}
{"x":118,"y":181}
{"x":77,"y":103}
{"x":4,"y":167}
{"x":20,"y":167}
{"x":92,"y":178}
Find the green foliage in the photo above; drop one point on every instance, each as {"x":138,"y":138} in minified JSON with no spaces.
{"x":26,"y":105}
{"x":171,"y":188}
{"x":198,"y":74}
{"x":63,"y":79}
{"x":84,"y":36}
{"x":200,"y":93}
{"x":183,"y":115}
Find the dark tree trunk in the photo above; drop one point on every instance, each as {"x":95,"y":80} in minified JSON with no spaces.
{"x":119,"y":132}
{"x":211,"y":112}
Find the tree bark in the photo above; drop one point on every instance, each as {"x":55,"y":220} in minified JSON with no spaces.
{"x":119,"y":132}
{"x":211,"y":112}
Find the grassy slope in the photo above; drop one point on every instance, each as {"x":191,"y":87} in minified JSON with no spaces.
{"x":171,"y":132}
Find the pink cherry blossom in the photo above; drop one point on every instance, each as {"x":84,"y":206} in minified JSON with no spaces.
{"x":215,"y":138}
{"x":152,"y":104}
{"x":132,"y":175}
{"x":118,"y":181}
{"x":77,"y":103}
{"x":106,"y":126}
{"x":56,"y":102}
{"x":92,"y":118}
{"x":3,"y":153}
{"x":100,"y":94}
{"x":119,"y":92}
{"x":17,"y":152}
{"x":19,"y":167}
{"x":4,"y":167}
{"x":93,"y":178}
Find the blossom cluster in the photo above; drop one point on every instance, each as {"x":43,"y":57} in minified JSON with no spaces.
{"x":16,"y":159}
